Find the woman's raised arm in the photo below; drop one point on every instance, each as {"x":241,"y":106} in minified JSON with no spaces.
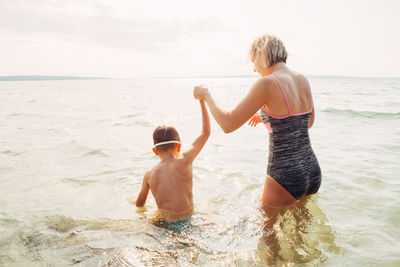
{"x":229,"y":121}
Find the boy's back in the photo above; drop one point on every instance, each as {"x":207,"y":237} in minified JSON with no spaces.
{"x":171,"y":184}
{"x":171,"y":180}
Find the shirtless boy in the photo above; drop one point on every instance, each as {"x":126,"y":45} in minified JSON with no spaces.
{"x":171,"y":180}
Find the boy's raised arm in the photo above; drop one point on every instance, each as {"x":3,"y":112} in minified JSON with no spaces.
{"x":200,"y":141}
{"x":144,"y":191}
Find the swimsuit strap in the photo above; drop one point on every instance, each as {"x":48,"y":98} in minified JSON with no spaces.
{"x":283,"y":91}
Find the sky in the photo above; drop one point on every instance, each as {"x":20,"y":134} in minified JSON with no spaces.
{"x":130,"y":38}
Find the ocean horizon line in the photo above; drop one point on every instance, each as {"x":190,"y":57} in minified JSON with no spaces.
{"x":257,"y":76}
{"x":46,"y":78}
{"x":61,"y":77}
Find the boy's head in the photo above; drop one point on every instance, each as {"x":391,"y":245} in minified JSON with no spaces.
{"x":164,"y":134}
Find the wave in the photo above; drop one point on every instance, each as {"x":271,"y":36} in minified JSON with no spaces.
{"x":362,"y":113}
{"x":96,"y":152}
{"x":10,"y":153}
{"x":94,"y":177}
{"x":134,"y":115}
{"x":79,"y":181}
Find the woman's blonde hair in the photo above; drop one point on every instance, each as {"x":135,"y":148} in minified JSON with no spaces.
{"x":269,"y":48}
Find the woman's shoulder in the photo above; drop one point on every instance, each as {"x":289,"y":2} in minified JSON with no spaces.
{"x":293,"y":79}
{"x":299,"y":77}
{"x":264,"y":82}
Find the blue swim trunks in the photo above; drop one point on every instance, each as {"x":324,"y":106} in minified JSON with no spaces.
{"x":178,"y":226}
{"x":175,"y":221}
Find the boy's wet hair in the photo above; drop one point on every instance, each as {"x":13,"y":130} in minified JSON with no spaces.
{"x":165,"y":133}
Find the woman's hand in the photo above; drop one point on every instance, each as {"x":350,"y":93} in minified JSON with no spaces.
{"x":256,"y":119}
{"x":200,"y":92}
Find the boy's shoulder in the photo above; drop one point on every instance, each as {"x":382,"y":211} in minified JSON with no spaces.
{"x":155,"y":169}
{"x":148,"y":176}
{"x":177,"y":164}
{"x":186,"y":158}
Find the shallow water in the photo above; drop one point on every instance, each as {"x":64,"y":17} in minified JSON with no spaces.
{"x":73,"y":153}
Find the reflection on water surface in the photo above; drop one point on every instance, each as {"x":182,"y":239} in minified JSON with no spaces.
{"x":300,"y":234}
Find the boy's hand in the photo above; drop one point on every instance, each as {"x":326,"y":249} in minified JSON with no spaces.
{"x":200,"y":92}
{"x":256,"y":119}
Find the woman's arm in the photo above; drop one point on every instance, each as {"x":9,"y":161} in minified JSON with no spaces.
{"x":312,"y":104}
{"x":312,"y":118}
{"x":229,"y":121}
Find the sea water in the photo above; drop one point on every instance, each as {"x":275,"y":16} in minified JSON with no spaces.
{"x":73,"y":154}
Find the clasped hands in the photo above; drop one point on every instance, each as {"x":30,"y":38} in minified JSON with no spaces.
{"x":200,"y":92}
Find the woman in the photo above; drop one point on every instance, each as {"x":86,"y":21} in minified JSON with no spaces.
{"x":286,"y":108}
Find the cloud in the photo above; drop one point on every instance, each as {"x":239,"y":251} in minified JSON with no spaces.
{"x":96,"y":22}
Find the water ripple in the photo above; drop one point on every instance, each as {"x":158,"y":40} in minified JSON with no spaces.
{"x":360,"y":113}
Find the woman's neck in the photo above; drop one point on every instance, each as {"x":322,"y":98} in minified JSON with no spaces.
{"x":274,"y":68}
